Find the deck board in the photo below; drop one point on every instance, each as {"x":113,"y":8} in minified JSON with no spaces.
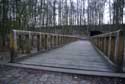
{"x":77,"y":55}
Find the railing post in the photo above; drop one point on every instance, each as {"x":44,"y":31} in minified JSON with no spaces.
{"x":42,"y":41}
{"x":96,"y":41}
{"x":32,"y":40}
{"x":28,"y":43}
{"x":99,"y":42}
{"x":20,"y":43}
{"x":65,"y":40}
{"x":49,"y":42}
{"x":46,"y":42}
{"x":119,"y":50}
{"x":52,"y":41}
{"x":56,"y":41}
{"x":112,"y":48}
{"x":103,"y":42}
{"x":13,"y":46}
{"x":61,"y":40}
{"x":107,"y":42}
{"x":109,"y":45}
{"x":38,"y":42}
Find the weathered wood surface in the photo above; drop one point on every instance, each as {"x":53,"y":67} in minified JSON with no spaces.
{"x":77,"y":55}
{"x":24,"y":42}
{"x":114,"y":47}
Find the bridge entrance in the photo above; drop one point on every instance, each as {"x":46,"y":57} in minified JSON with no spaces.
{"x":99,"y":53}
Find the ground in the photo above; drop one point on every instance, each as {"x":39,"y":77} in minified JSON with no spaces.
{"x":13,"y":75}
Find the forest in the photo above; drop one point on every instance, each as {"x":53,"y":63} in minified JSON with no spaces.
{"x":33,"y":14}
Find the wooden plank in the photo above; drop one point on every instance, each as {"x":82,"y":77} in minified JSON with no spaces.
{"x":72,"y":71}
{"x":75,"y":55}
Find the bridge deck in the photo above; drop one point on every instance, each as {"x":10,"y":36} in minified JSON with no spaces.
{"x":77,"y":55}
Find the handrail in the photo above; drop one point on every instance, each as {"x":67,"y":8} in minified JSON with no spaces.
{"x":112,"y":45}
{"x":106,"y":34}
{"x":28,"y":42}
{"x":24,"y":32}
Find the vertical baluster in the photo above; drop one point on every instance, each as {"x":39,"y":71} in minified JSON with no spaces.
{"x":112,"y":48}
{"x":30,"y":43}
{"x":42,"y":41}
{"x":99,"y":43}
{"x":58,"y":40}
{"x":52,"y":41}
{"x":27,"y":43}
{"x":62,"y":39}
{"x":46,"y":41}
{"x":105,"y":44}
{"x":19,"y":44}
{"x":109,"y":45}
{"x":38,"y":42}
{"x":102,"y":44}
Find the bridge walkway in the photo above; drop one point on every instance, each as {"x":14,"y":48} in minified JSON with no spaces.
{"x":80,"y":55}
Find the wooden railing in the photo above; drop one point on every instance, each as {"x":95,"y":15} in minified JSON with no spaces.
{"x":23,"y":43}
{"x":112,"y":45}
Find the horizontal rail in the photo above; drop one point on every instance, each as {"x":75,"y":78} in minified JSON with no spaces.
{"x":25,"y":32}
{"x":28,"y":42}
{"x":112,"y":45}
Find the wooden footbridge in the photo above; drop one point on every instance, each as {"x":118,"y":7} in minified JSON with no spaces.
{"x":100,"y":53}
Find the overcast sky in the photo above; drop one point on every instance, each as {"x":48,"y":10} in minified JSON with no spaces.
{"x":106,"y":11}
